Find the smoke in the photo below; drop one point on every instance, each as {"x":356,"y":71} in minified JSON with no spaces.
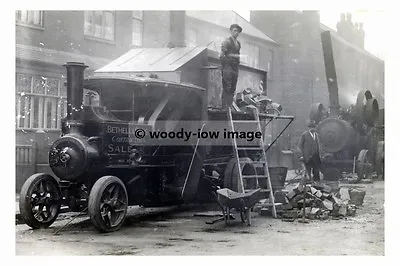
{"x":347,"y":97}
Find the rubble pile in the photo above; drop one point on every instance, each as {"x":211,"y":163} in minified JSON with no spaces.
{"x":321,"y":201}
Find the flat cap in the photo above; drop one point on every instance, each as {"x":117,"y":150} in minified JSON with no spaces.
{"x":236,"y":26}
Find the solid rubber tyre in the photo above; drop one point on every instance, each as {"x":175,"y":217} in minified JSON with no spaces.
{"x":96,"y":196}
{"x":25,"y":201}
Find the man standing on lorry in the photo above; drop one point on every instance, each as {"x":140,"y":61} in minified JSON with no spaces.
{"x":230,"y":60}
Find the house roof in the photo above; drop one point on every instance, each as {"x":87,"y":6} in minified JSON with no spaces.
{"x":347,"y":43}
{"x":50,"y":56}
{"x":96,"y":80}
{"x":225,"y":18}
{"x":152,"y":59}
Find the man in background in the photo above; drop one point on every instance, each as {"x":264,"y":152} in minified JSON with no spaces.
{"x":309,"y":149}
{"x":230,"y":60}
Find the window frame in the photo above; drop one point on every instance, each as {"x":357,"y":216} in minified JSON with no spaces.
{"x":39,"y":26}
{"x":138,"y":18}
{"x":91,"y":34}
{"x":40,"y":101}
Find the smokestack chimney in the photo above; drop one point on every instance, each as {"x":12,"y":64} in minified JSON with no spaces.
{"x":330,"y":72}
{"x":75,"y":73}
{"x":177,"y":29}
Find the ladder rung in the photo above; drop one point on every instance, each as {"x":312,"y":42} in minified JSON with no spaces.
{"x":250,"y":148}
{"x":261,"y":147}
{"x":261,"y":190}
{"x":245,"y":121}
{"x":254,"y":176}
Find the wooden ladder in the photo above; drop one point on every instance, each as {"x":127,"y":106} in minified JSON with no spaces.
{"x":266,"y":176}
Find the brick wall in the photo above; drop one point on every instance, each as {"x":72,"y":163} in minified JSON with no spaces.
{"x":300,"y":72}
{"x":363,"y":71}
{"x":156,"y":29}
{"x":298,"y":81}
{"x":64,"y":31}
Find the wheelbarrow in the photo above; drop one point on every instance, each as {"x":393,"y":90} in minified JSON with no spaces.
{"x":241,"y":202}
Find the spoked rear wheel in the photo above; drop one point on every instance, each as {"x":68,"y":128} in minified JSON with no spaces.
{"x":108,"y":204}
{"x":364,"y":165}
{"x":39,"y":201}
{"x":231,"y":175}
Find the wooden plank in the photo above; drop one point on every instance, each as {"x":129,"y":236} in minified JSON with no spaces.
{"x":235,"y":148}
{"x":193,"y":173}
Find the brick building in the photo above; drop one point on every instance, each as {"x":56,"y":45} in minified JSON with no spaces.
{"x":299,"y":68}
{"x":45,"y":40}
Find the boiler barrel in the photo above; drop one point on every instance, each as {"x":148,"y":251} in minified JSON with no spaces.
{"x":336,"y":135}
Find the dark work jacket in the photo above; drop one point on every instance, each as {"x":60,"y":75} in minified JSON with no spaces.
{"x":308,"y":146}
{"x":228,"y":47}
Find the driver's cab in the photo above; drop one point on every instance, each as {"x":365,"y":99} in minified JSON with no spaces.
{"x":158,"y":104}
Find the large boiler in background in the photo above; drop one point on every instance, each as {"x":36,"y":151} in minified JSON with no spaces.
{"x":351,"y":138}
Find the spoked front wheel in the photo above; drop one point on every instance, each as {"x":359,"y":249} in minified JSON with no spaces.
{"x":108,"y":204}
{"x":39,"y":201}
